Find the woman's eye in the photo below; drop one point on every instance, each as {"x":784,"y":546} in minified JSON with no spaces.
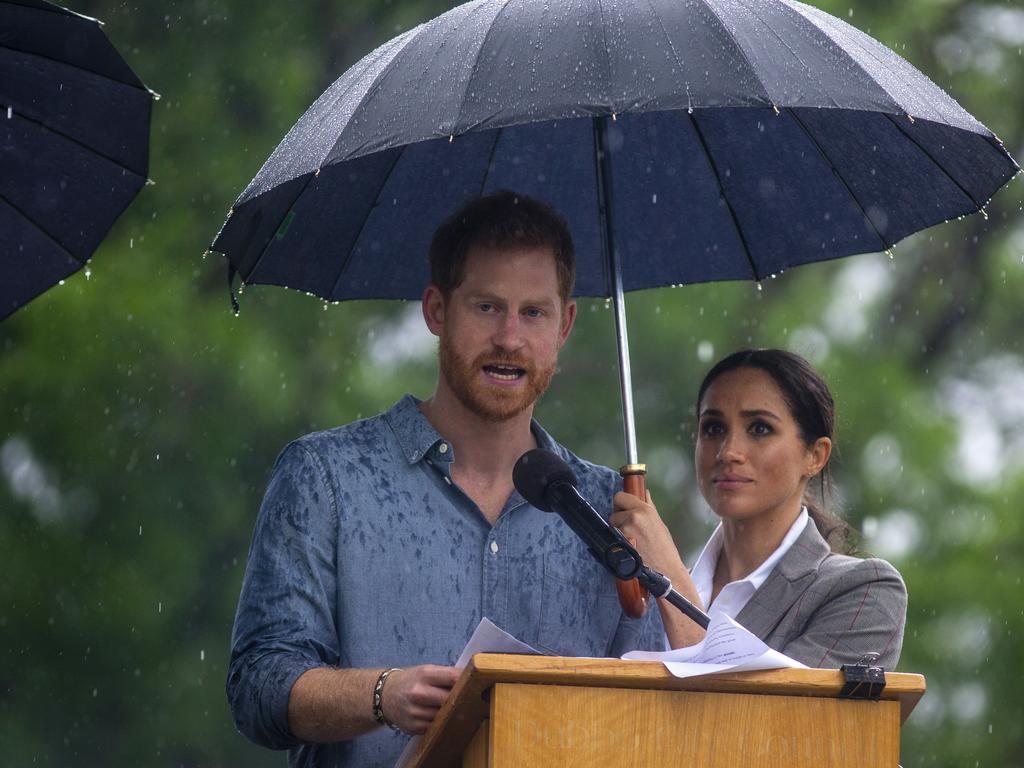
{"x":760,"y":428}
{"x":711,"y":428}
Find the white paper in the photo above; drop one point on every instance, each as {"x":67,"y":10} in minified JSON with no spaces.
{"x":486,"y":638}
{"x":728,"y":646}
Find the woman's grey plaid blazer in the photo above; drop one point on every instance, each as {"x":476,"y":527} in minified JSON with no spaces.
{"x":826,"y":610}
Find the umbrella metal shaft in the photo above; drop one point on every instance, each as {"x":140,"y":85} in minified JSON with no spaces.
{"x":602,"y":150}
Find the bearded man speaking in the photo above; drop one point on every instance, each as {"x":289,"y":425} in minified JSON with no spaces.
{"x":381,"y":544}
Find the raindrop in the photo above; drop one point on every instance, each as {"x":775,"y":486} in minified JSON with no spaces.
{"x":140,"y":530}
{"x":202,"y":654}
{"x":984,"y":214}
{"x":654,"y":199}
{"x":88,"y":272}
{"x":759,"y":286}
{"x":889,"y":253}
{"x":10,"y":112}
{"x":131,"y":243}
{"x":160,"y":607}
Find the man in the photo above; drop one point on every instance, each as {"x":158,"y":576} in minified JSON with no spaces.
{"x":380,"y":545}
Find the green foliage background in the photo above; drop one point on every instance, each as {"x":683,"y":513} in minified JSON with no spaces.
{"x":139,"y":418}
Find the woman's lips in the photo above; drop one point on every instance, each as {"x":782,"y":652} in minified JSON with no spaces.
{"x":730,"y":482}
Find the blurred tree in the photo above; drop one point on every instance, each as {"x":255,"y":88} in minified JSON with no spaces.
{"x":140,"y":419}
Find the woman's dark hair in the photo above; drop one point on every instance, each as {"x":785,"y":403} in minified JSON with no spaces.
{"x":811,"y":404}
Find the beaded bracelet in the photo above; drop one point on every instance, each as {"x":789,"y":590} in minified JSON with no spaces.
{"x":378,"y":699}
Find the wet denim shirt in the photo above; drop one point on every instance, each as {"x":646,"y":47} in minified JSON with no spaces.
{"x":366,"y":554}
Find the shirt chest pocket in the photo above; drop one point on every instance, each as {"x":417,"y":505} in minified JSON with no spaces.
{"x":580,"y":607}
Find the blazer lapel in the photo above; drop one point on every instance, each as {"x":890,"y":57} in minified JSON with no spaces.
{"x":783,"y":587}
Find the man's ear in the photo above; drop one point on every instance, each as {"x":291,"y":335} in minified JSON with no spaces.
{"x":433,"y":306}
{"x":568,"y":319}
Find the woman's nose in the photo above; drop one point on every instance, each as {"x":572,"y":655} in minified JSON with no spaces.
{"x":730,"y":449}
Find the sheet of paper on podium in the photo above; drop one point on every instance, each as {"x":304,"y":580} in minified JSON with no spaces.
{"x":727,"y":647}
{"x":486,"y":638}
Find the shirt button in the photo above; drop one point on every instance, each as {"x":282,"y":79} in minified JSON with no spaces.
{"x":494,"y":547}
{"x":442,"y":448}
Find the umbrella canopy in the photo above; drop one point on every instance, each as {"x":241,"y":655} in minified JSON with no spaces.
{"x":743,"y":137}
{"x":74,"y":144}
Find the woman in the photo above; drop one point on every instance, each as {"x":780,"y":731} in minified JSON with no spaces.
{"x":765,"y":424}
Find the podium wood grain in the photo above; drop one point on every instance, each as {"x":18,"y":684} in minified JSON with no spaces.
{"x":543,"y":710}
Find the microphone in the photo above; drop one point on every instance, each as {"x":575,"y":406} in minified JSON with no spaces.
{"x":547,"y":482}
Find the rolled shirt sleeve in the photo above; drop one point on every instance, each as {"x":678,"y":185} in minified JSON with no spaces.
{"x":285,"y":624}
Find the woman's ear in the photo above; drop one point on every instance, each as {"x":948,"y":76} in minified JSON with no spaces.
{"x":818,"y":456}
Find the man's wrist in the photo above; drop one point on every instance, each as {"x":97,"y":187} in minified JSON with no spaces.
{"x":378,"y":698}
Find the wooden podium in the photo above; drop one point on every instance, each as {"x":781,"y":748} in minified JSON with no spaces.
{"x":520,"y":711}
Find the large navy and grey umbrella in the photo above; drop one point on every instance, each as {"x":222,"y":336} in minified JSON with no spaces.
{"x":74,"y":144}
{"x":684,"y":141}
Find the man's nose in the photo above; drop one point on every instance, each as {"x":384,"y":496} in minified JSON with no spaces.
{"x":509,"y":333}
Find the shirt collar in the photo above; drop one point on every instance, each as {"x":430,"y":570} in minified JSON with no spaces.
{"x":703,"y":572}
{"x":417,"y":436}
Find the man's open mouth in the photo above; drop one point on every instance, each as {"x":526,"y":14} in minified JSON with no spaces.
{"x":504,"y":372}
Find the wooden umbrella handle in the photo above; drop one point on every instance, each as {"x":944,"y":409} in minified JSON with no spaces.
{"x":632,"y":596}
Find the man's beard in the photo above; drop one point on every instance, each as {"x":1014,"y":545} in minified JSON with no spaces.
{"x":491,"y":403}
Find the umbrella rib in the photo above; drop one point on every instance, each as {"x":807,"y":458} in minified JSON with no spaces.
{"x":725,"y":198}
{"x":490,"y":160}
{"x":835,"y":172}
{"x":750,"y":65}
{"x":40,"y":228}
{"x":266,"y":246}
{"x":139,"y":85}
{"x":362,"y":227}
{"x":73,"y":140}
{"x":374,"y":86}
{"x":935,"y":162}
{"x":479,"y":51}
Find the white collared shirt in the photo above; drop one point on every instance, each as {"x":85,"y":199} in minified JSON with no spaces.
{"x":737,"y":594}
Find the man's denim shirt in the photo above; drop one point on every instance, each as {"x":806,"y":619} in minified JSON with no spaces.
{"x":365,"y":554}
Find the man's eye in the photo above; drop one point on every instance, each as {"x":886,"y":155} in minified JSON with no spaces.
{"x":485,"y":307}
{"x":533,"y":312}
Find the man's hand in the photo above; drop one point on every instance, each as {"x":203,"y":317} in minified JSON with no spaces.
{"x":412,"y":696}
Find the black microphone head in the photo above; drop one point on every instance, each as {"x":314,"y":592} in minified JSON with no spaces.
{"x":535,"y":471}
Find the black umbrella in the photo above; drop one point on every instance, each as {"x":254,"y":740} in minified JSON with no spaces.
{"x":74,"y":144}
{"x":684,"y":141}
